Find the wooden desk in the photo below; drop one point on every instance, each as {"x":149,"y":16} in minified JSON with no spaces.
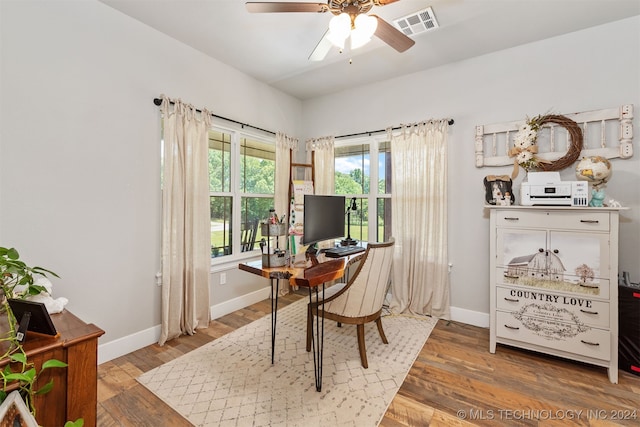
{"x":75,"y":388}
{"x":308,"y":277}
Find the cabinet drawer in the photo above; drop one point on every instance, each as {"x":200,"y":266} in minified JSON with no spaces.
{"x":572,"y":309}
{"x":582,"y":220}
{"x":546,"y":333}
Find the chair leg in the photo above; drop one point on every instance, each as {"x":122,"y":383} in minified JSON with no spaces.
{"x":361,"y":346}
{"x":309,"y":326}
{"x":381,"y":331}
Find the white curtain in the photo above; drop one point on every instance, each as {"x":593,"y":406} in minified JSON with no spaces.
{"x":186,"y":221}
{"x":419,"y":210}
{"x":323,"y":149}
{"x":323,"y":152}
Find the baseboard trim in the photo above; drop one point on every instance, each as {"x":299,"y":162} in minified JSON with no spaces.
{"x":138,"y":340}
{"x":474,"y":318}
{"x":121,"y":346}
{"x":128,"y":344}
{"x":243,"y":301}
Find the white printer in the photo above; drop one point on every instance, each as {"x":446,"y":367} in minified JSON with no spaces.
{"x":546,"y":189}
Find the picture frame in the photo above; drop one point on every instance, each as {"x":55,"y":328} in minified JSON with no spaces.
{"x":38,"y":319}
{"x":499,"y":190}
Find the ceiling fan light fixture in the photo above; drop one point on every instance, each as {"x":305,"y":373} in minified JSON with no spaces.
{"x":358,"y":39}
{"x":366,"y":24}
{"x":336,"y":41}
{"x":339,"y":29}
{"x":365,"y":27}
{"x":343,"y":23}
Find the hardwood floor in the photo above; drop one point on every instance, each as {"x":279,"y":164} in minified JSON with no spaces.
{"x":454,"y":381}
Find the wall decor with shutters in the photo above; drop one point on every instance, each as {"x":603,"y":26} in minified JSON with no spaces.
{"x":607,"y":133}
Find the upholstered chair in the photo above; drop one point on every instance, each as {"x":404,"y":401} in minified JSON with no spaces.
{"x":360,"y":300}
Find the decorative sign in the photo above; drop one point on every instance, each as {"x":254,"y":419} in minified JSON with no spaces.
{"x":549,"y":321}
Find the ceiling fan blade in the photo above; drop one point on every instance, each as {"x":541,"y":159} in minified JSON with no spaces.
{"x":279,"y":6}
{"x":392,"y":36}
{"x":322,"y":48}
{"x":384,"y":2}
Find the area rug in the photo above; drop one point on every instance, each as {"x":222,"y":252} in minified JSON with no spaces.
{"x":231,"y":381}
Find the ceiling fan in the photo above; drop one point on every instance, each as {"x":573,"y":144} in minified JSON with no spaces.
{"x":350,"y":21}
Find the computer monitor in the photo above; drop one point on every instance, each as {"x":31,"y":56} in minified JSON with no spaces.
{"x":323,"y":218}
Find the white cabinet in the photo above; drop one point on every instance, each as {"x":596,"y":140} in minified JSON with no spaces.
{"x":553,"y":282}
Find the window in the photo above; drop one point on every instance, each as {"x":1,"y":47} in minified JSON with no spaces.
{"x":368,"y":182}
{"x":241,"y":185}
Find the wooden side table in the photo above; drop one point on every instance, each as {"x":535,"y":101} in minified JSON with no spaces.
{"x":75,"y":388}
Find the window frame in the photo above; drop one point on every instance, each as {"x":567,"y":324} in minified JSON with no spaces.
{"x":237,"y":133}
{"x":374,"y":142}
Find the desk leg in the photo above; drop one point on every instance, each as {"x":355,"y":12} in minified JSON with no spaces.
{"x":317,"y":337}
{"x":274,"y":316}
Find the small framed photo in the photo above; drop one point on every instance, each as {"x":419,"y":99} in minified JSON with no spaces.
{"x":32,"y":316}
{"x":498,"y":190}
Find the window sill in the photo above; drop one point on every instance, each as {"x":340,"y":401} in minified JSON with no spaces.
{"x":230,"y":262}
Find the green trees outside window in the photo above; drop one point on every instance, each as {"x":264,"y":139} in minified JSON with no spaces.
{"x":242,"y":185}
{"x":369,"y":183}
{"x":242,"y":180}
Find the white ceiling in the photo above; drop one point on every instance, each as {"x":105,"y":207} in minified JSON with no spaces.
{"x":274,"y":47}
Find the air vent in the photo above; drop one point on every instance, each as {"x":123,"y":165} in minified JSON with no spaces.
{"x":418,"y":22}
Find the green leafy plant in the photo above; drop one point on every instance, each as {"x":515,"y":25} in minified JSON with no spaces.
{"x":17,"y":278}
{"x":25,"y":377}
{"x":17,"y":281}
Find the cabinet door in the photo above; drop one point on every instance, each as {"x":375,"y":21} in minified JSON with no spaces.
{"x":584,"y":261}
{"x":562,"y":261}
{"x":518,"y":251}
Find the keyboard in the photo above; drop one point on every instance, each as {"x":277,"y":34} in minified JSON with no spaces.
{"x":341,"y":251}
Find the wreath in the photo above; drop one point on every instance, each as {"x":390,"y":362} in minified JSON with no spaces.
{"x":525,"y":148}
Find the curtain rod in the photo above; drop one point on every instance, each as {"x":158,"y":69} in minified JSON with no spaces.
{"x":158,"y":102}
{"x":450,"y":121}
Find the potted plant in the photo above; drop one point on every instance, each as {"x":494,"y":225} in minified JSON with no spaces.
{"x":18,"y":280}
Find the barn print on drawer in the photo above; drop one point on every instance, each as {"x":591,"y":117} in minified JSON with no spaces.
{"x":554,"y":260}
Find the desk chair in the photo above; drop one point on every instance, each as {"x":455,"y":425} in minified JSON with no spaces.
{"x":360,"y":300}
{"x":249,"y":234}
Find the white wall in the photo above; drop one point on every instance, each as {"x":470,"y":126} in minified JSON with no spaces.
{"x":80,"y":158}
{"x":587,"y":70}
